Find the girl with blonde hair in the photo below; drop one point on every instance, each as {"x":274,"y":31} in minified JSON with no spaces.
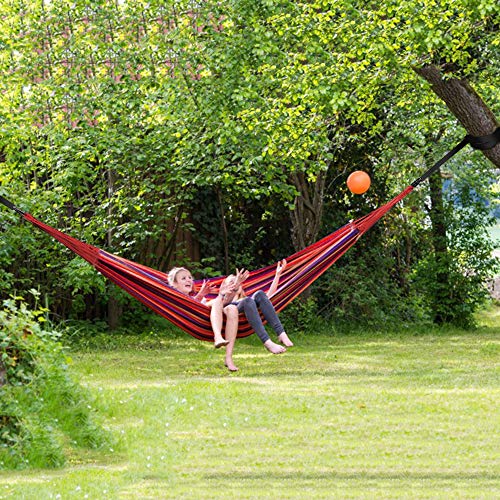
{"x":181,"y":279}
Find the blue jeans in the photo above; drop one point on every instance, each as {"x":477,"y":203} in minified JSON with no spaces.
{"x":251,"y":306}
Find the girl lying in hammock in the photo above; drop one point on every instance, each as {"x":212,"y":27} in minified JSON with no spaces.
{"x":181,"y":279}
{"x":230,"y":301}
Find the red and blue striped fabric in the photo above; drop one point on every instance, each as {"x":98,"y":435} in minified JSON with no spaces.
{"x":151,"y":287}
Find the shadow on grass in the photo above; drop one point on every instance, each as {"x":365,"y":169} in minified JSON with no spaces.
{"x":355,"y":476}
{"x":171,"y":339}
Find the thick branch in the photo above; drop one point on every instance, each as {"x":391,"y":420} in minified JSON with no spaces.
{"x":465,"y":104}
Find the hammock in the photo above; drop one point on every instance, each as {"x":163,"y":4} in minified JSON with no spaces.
{"x":151,"y":287}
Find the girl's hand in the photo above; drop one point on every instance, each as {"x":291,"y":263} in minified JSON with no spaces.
{"x":226,"y":288}
{"x":205,"y":289}
{"x":241,"y":276}
{"x":280,"y":267}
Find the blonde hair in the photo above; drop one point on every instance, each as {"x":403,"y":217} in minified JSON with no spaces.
{"x":172,"y":274}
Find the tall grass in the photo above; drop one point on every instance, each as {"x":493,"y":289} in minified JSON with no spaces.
{"x":42,"y":408}
{"x":382,"y":414}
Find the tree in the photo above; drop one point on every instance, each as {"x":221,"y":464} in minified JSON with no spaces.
{"x":130,"y":114}
{"x":465,"y":104}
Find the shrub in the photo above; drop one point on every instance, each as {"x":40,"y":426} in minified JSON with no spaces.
{"x":42,"y":409}
{"x":301,"y":316}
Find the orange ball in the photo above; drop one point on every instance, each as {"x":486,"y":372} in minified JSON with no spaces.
{"x":358,"y":182}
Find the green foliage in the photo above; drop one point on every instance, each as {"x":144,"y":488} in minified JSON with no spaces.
{"x":361,"y":291}
{"x":43,"y":410}
{"x":131,"y":124}
{"x":301,"y":316}
{"x":467,"y":267}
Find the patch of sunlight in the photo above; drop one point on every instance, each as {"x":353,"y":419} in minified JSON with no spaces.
{"x":378,"y":343}
{"x":247,"y":380}
{"x":456,"y":390}
{"x":263,"y":354}
{"x":34,"y":477}
{"x":151,"y":370}
{"x":128,"y":423}
{"x":13,"y":479}
{"x":192,"y":434}
{"x":132,"y":385}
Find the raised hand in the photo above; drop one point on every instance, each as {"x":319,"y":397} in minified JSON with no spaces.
{"x":226,"y":287}
{"x":205,"y":289}
{"x":241,"y":276}
{"x":280,"y":267}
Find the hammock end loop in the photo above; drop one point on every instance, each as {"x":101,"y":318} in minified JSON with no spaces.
{"x":484,"y":142}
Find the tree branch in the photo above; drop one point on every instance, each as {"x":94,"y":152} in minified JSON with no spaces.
{"x":465,"y":104}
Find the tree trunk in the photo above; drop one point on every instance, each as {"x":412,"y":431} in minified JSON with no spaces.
{"x":439,"y":241}
{"x":306,"y":217}
{"x":465,"y":104}
{"x":114,"y":307}
{"x":3,"y":374}
{"x":224,"y":229}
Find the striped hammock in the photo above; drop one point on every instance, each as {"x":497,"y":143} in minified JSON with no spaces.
{"x":151,"y":287}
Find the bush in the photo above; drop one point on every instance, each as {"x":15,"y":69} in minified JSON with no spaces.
{"x":359,"y":290}
{"x":42,"y":409}
{"x":301,"y":316}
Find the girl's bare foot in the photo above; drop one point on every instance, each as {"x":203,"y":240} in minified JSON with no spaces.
{"x":274,"y":348}
{"x":230,"y":365}
{"x":220,"y":342}
{"x":283,"y":338}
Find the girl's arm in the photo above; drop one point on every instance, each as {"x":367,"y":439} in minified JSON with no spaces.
{"x":205,"y":289}
{"x":228,"y":292}
{"x":274,"y":285}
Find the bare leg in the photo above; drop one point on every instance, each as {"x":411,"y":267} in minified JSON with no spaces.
{"x":283,"y":338}
{"x":274,"y":348}
{"x":231,"y":312}
{"x":216,"y":322}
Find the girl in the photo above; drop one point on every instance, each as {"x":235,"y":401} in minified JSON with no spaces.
{"x":181,"y":279}
{"x":260,"y":300}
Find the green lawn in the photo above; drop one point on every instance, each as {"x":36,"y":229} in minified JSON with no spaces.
{"x":371,"y":415}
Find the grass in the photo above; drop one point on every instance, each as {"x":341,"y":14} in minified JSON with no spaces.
{"x":365,"y":415}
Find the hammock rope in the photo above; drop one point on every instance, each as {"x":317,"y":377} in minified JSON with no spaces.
{"x":150,"y":286}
